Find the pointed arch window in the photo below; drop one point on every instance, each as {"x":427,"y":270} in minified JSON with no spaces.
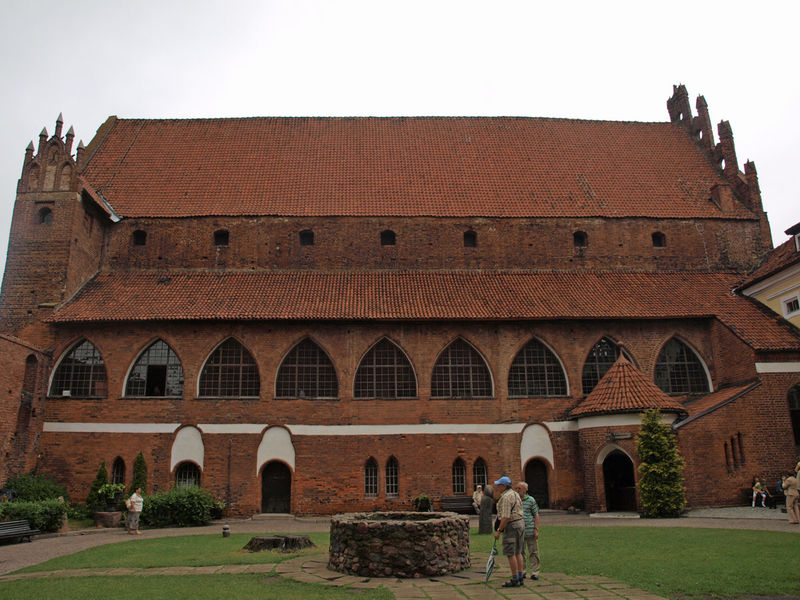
{"x":459,"y":477}
{"x":306,"y":372}
{"x":45,"y":216}
{"x":230,"y":372}
{"x":82,"y":373}
{"x":536,"y":372}
{"x":371,"y":478}
{"x":460,"y":372}
{"x":187,"y":474}
{"x":157,"y":373}
{"x":793,"y":398}
{"x":479,"y":473}
{"x":118,"y":471}
{"x":392,"y":474}
{"x":679,"y":370}
{"x":599,"y":360}
{"x":385,"y":372}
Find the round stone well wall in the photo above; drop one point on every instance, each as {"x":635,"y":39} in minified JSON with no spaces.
{"x":399,"y":544}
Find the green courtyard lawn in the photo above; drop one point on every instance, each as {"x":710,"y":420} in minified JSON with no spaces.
{"x":668,"y":561}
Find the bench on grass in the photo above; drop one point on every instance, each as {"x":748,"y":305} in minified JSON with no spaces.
{"x":18,"y":529}
{"x":458,"y":504}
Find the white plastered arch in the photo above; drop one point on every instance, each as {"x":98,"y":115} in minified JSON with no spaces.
{"x":276,"y":444}
{"x":603,"y":454}
{"x":188,"y":445}
{"x":536,"y":444}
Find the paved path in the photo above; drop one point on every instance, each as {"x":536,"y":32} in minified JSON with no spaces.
{"x":313,"y":568}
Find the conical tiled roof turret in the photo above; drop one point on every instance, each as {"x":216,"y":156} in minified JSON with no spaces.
{"x":625,"y":389}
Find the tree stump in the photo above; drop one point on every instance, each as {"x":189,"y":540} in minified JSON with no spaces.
{"x":283,"y":543}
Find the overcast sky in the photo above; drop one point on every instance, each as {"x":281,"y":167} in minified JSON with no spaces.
{"x":589,"y":60}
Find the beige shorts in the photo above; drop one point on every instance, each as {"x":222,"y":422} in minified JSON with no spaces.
{"x":513,"y":538}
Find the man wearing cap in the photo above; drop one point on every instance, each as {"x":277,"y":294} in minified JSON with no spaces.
{"x":512,"y":525}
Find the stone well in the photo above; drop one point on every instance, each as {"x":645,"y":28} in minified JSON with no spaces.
{"x":399,"y":544}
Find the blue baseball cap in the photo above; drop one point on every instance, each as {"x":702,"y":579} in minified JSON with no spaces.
{"x":503,"y":481}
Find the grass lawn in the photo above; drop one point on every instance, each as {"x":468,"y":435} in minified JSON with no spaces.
{"x":672,"y":562}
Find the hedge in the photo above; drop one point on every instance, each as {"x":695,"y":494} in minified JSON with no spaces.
{"x":46,"y":515}
{"x":181,"y":507}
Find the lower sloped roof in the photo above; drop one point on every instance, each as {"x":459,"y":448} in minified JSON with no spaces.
{"x":424,"y":295}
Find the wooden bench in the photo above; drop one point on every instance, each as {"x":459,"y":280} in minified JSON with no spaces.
{"x":458,"y":504}
{"x":774,"y":500}
{"x":19,"y":529}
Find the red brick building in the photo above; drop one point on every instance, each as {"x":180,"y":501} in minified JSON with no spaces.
{"x":331,"y":314}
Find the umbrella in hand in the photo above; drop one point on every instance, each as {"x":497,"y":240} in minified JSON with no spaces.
{"x":490,"y":562}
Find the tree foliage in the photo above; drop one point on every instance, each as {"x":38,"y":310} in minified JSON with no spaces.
{"x":661,"y":470}
{"x":93,"y":500}
{"x":139,"y":474}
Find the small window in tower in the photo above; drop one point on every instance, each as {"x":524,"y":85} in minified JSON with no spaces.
{"x":470,"y":239}
{"x":659,"y":239}
{"x":791,"y":307}
{"x":45,"y":216}
{"x":580,"y":239}
{"x":306,"y":237}
{"x":388,"y":238}
{"x":221,"y":237}
{"x":139,"y":238}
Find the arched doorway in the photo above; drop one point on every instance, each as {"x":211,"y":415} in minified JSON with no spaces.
{"x":536,"y":478}
{"x":276,"y":488}
{"x":619,"y":481}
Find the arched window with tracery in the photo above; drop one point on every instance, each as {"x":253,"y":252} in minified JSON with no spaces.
{"x":157,"y":373}
{"x":385,"y":372}
{"x":599,"y":360}
{"x":536,"y":372}
{"x":371,"y":478}
{"x":461,"y":372}
{"x":306,"y":372}
{"x":187,"y":474}
{"x":392,"y":478}
{"x":679,"y":370}
{"x":230,"y":372}
{"x":118,"y":471}
{"x":459,"y":477}
{"x":81,"y":373}
{"x":479,"y":473}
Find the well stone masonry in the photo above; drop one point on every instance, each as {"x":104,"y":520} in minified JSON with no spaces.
{"x":399,"y":544}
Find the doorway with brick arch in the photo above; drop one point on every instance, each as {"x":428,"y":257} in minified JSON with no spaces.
{"x":276,"y":488}
{"x":536,"y":478}
{"x":620,"y":484}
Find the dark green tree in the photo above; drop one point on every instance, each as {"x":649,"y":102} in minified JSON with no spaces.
{"x":93,"y":500}
{"x":661,"y":470}
{"x":139,"y":474}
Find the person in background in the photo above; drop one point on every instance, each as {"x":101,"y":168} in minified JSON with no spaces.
{"x":759,"y":489}
{"x":530,"y":513}
{"x":477,"y":496}
{"x":134,"y":505}
{"x":791,"y":491}
{"x":512,"y":526}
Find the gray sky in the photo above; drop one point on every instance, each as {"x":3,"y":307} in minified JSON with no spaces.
{"x":589,"y":60}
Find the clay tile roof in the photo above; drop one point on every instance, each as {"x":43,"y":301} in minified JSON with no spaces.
{"x":625,"y":389}
{"x":421,"y":166}
{"x":704,"y":405}
{"x":425,"y":295}
{"x":778,"y":259}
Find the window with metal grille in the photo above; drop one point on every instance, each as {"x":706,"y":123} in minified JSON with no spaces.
{"x":459,"y":477}
{"x":157,"y":373}
{"x":118,"y":471}
{"x":187,"y":474}
{"x":230,"y":372}
{"x":82,"y":373}
{"x":460,"y":372}
{"x":600,"y":359}
{"x":679,"y":370}
{"x":536,"y":372}
{"x":479,"y":473}
{"x":385,"y":372}
{"x":306,"y":372}
{"x":392,"y":487}
{"x":371,"y":478}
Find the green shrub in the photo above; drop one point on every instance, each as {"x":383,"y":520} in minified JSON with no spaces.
{"x":93,"y":501}
{"x":139,"y":474}
{"x":32,"y":487}
{"x":661,"y":483}
{"x":423,"y":503}
{"x":110,"y":496}
{"x":79,"y":512}
{"x":181,"y":507}
{"x":45,"y":515}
